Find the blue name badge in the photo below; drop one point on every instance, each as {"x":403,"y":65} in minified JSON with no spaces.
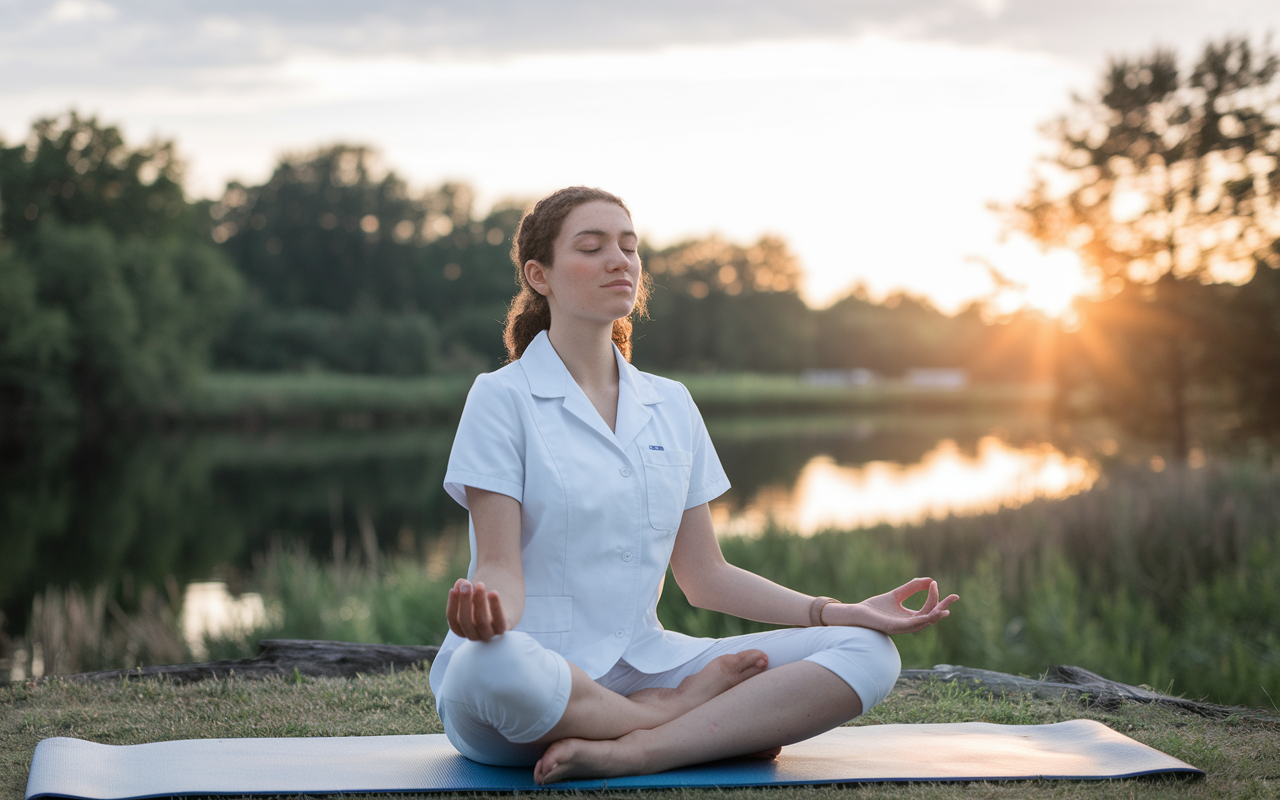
{"x":655,"y":447}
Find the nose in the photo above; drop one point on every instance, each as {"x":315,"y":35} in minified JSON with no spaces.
{"x":618,"y":261}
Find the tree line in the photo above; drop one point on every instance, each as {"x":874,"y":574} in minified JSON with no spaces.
{"x":116,"y":290}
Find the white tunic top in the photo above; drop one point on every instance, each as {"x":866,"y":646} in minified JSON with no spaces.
{"x":599,"y":508}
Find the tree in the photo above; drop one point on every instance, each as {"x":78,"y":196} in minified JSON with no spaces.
{"x":1164,"y":182}
{"x":721,"y":305}
{"x":140,"y":315}
{"x":333,"y":239}
{"x":1253,"y":340}
{"x":35,"y":346}
{"x":80,"y":172}
{"x":110,"y":290}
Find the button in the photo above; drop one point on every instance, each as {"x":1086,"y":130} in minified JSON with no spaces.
{"x":626,"y":473}
{"x":619,"y":634}
{"x":626,"y":556}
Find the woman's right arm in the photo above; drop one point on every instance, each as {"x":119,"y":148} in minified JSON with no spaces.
{"x":494,"y":602}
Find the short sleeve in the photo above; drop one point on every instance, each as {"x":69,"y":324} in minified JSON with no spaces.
{"x":707,"y":480}
{"x":489,"y":447}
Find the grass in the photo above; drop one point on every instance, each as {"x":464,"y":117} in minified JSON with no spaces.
{"x":363,"y":400}
{"x":350,"y":400}
{"x":1241,"y":755}
{"x":765,"y":393}
{"x":1170,"y":579}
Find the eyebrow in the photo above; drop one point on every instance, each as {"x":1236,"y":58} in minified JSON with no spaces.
{"x":594,"y":232}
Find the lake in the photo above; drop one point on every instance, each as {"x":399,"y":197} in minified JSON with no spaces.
{"x":1066,"y":545}
{"x":181,"y":521}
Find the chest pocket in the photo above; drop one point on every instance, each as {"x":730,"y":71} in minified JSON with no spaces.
{"x":666,"y":474}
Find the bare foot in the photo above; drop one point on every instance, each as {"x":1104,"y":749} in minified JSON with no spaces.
{"x":720,"y":675}
{"x":578,"y":759}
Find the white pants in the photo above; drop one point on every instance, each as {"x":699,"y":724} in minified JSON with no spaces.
{"x":500,"y":696}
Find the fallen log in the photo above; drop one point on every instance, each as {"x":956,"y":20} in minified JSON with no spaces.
{"x":312,"y":658}
{"x":317,"y":659}
{"x":1067,"y":681}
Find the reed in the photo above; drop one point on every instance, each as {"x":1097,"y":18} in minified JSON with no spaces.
{"x":1167,"y":579}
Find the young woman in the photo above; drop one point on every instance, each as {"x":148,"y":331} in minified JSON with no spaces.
{"x":584,"y":478}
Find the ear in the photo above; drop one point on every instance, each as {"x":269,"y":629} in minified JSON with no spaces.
{"x":536,"y":275}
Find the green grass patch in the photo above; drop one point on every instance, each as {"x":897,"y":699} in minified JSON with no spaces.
{"x":362,"y":400}
{"x":350,"y":400}
{"x":1241,"y":755}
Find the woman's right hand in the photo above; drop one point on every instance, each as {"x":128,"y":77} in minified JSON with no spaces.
{"x":473,"y":612}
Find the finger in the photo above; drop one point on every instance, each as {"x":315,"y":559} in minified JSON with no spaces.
{"x":466,"y":615}
{"x":931,"y":599}
{"x":496,"y":613}
{"x":451,"y":609}
{"x":911,"y":587}
{"x":480,"y":608}
{"x":941,"y":612}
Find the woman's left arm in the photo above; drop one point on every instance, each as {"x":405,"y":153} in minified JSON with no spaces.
{"x":708,"y":581}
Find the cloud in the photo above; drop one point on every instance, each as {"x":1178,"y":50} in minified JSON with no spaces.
{"x":142,"y":42}
{"x":80,"y":11}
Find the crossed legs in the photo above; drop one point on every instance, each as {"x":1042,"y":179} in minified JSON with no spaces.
{"x":772,"y":709}
{"x":508,"y":700}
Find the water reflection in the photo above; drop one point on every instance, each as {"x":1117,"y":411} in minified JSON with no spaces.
{"x":136,"y":527}
{"x":944,"y":481}
{"x":209,"y":611}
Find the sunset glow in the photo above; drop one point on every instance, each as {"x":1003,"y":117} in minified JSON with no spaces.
{"x":1045,"y":281}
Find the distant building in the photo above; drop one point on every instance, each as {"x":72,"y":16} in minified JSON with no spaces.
{"x":944,"y":379}
{"x":840,"y":377}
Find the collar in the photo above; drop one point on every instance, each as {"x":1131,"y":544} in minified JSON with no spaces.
{"x":549,"y":378}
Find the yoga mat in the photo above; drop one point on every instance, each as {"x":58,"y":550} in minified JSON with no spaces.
{"x":1079,"y":749}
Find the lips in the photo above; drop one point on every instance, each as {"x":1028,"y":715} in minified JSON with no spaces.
{"x":626,"y":284}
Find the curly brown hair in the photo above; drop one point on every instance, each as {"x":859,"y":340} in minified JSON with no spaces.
{"x":535,"y":240}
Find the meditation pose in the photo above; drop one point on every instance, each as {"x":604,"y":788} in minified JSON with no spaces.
{"x":584,"y":479}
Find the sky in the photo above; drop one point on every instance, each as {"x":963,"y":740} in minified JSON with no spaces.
{"x":873,"y":136}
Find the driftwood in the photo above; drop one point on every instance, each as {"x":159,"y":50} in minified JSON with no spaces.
{"x":346,"y":659}
{"x":284,"y":657}
{"x":1067,"y":681}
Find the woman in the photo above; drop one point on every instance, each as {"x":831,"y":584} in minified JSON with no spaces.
{"x":584,"y":478}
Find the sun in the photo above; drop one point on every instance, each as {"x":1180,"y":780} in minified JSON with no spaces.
{"x":1024,"y":276}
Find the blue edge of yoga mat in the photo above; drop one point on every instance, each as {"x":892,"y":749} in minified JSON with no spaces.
{"x":968,"y":751}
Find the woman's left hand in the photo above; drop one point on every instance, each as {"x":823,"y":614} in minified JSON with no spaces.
{"x":885,"y":612}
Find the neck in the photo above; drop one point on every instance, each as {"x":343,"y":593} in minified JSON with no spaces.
{"x":587,"y":352}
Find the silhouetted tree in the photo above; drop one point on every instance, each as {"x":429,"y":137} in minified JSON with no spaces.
{"x":1171,"y":181}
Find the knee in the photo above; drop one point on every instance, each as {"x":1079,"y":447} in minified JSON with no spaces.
{"x":876,"y":658}
{"x":510,"y":671}
{"x":489,"y":669}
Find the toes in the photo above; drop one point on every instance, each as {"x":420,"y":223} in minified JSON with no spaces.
{"x":752,"y":660}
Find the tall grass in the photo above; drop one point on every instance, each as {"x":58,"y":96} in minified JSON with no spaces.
{"x":400,"y":601}
{"x":1170,"y":580}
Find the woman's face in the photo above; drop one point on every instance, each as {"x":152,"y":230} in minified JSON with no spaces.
{"x":595,"y":273}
